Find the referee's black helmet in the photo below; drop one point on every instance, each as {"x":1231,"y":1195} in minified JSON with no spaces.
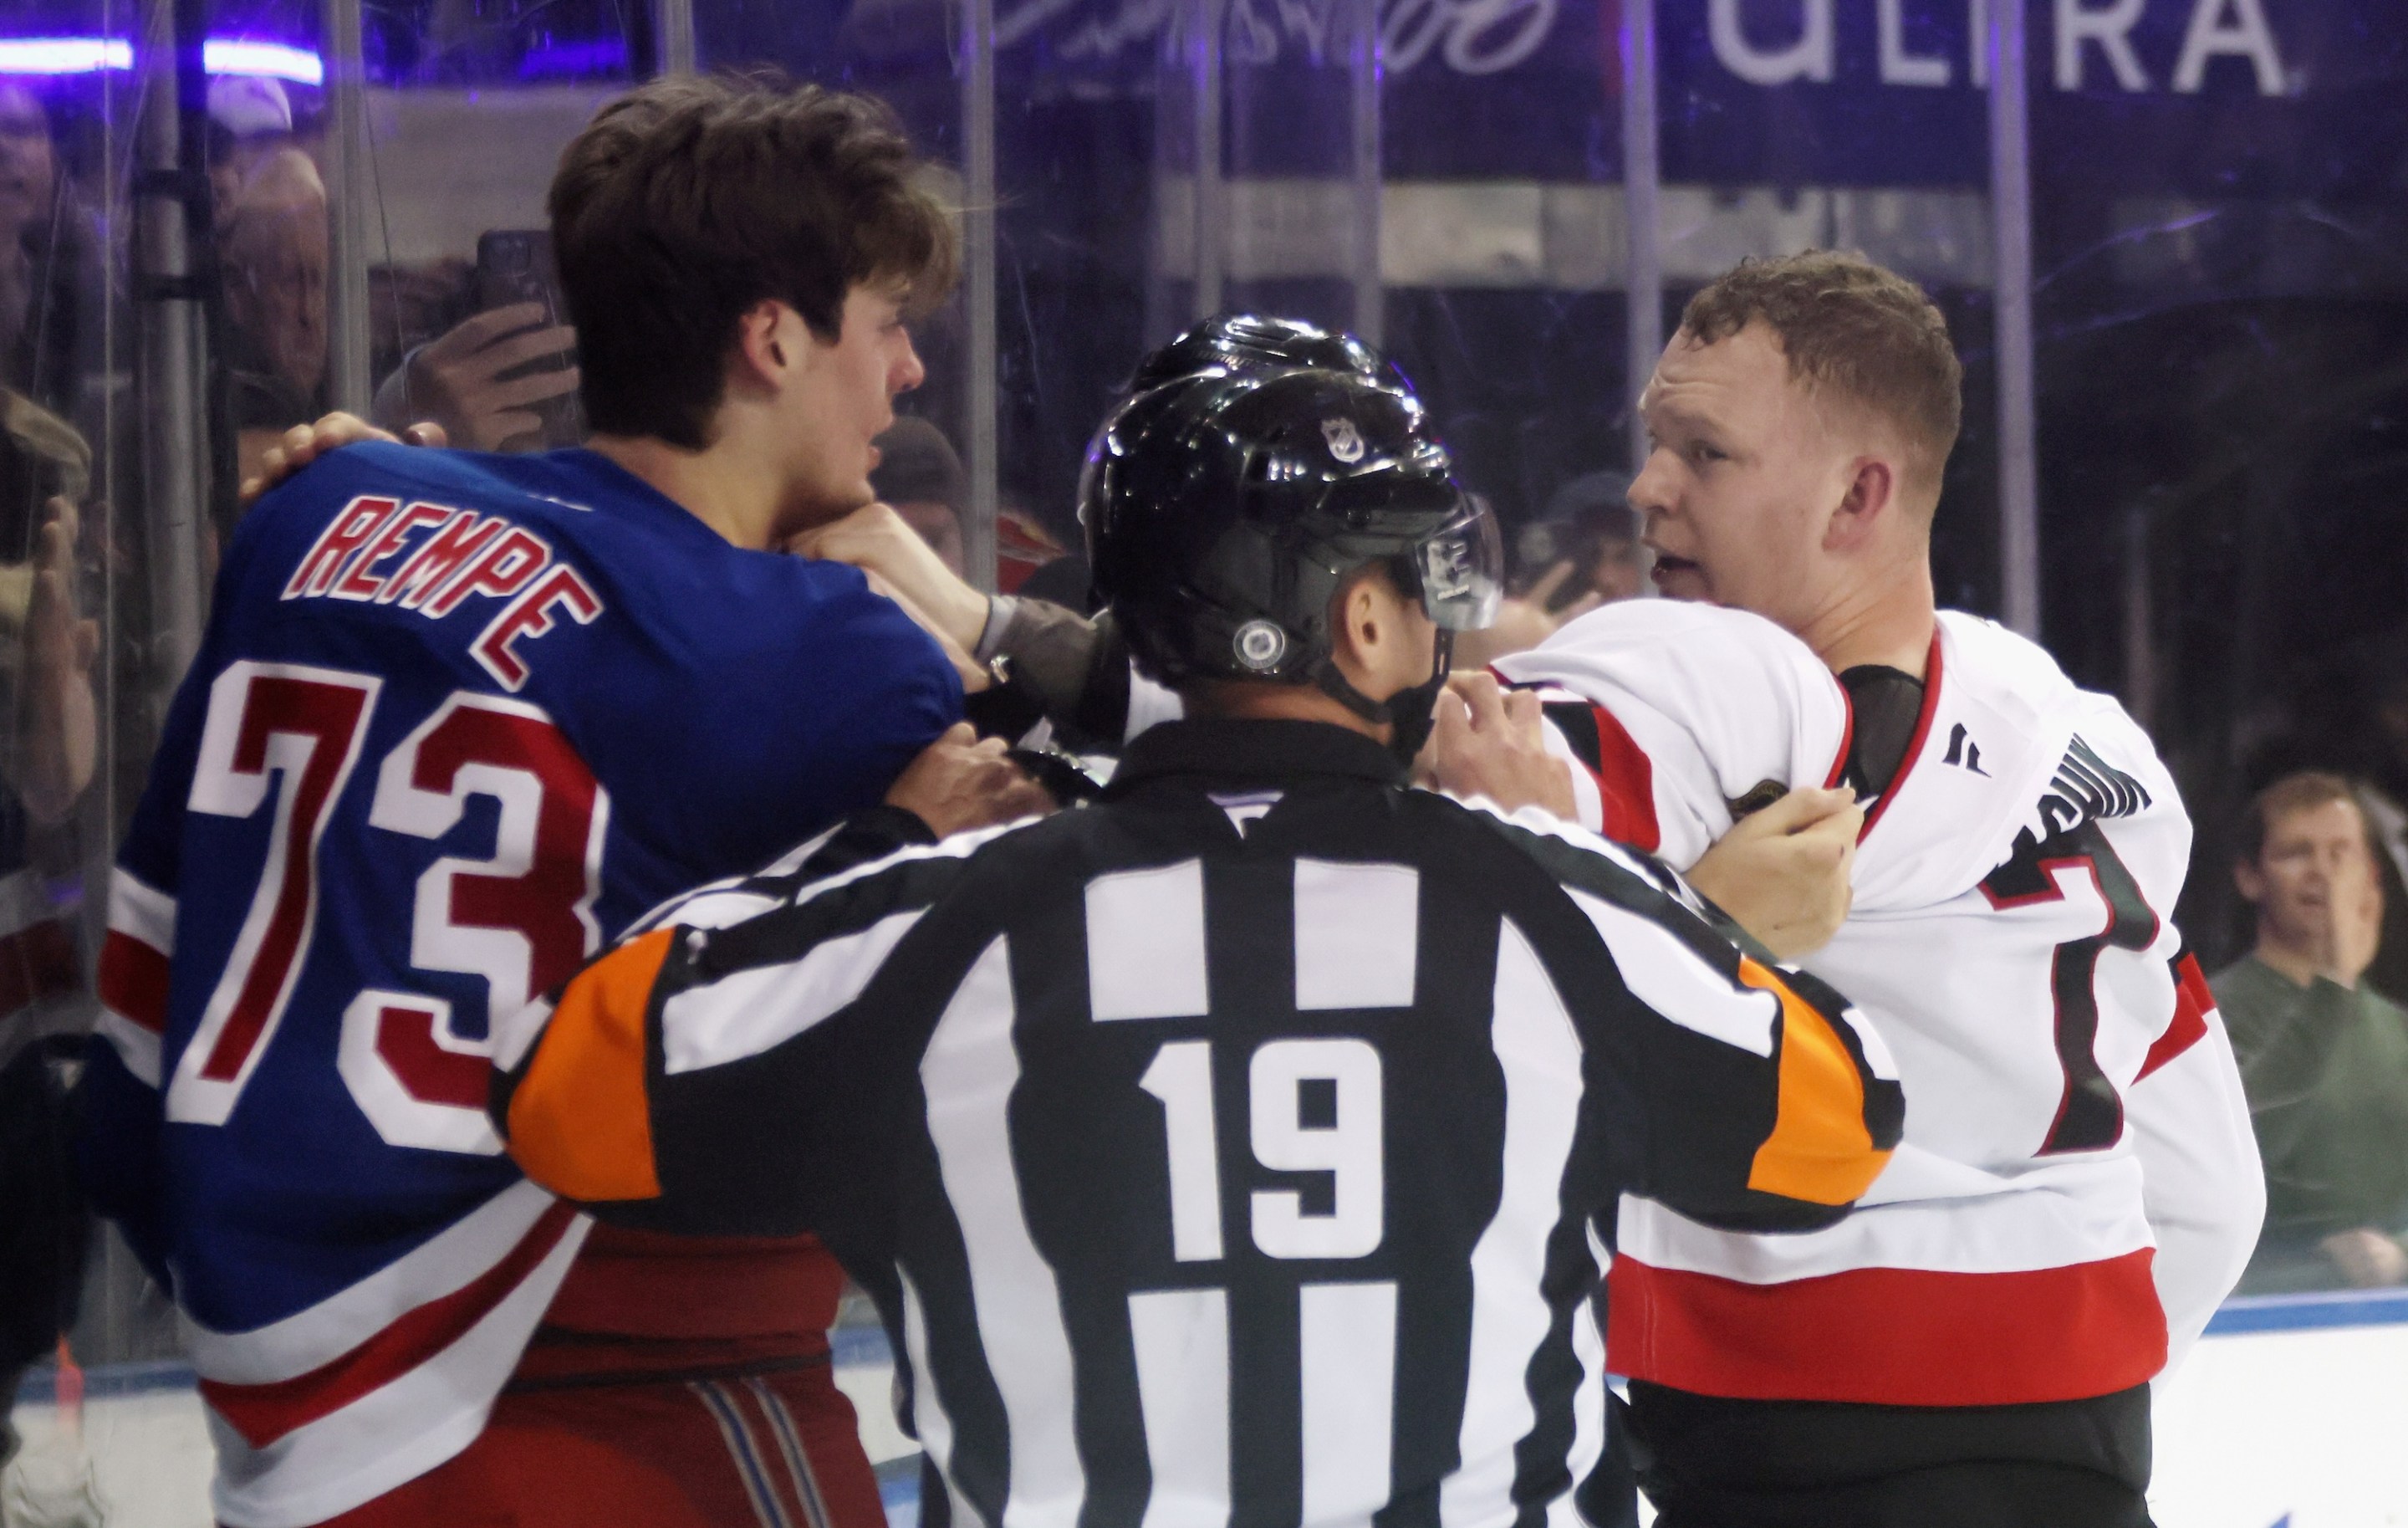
{"x":1225,"y":507}
{"x":1234,"y":342}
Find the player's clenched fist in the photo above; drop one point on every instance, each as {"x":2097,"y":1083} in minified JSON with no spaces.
{"x":1782,"y":873}
{"x":959,"y":783}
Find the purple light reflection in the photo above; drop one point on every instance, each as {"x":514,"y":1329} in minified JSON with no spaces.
{"x":219,"y":55}
{"x":64,"y":55}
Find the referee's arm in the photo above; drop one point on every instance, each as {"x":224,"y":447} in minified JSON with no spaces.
{"x":690,"y":1078}
{"x":1745,"y":1094}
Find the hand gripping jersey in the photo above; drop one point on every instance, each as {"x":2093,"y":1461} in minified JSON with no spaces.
{"x":456,"y":722}
{"x":1232,"y":1152}
{"x":2079,"y":1186}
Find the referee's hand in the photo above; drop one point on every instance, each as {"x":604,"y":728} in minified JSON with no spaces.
{"x":958,"y":783}
{"x":1488,"y":740}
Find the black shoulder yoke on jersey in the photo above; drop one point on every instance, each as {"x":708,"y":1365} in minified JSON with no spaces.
{"x":1887,"y":703}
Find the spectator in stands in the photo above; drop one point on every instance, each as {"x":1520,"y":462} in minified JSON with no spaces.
{"x":49,"y":737}
{"x":52,"y":735}
{"x":1590,"y":533}
{"x":1584,"y":553}
{"x":51,"y":276}
{"x":28,"y":187}
{"x":921,"y":476}
{"x":251,"y":119}
{"x":476,"y":382}
{"x":273,"y":247}
{"x":2323,"y":1057}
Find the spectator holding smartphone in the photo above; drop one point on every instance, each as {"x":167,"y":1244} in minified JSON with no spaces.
{"x":503,"y":378}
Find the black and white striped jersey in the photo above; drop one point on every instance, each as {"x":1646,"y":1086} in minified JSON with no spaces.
{"x":1233,"y":1152}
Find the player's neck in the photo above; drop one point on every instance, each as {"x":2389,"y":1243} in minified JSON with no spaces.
{"x":1885,"y":617}
{"x":739,"y":499}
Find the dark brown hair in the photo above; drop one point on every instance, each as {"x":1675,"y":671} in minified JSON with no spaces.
{"x":1855,"y":331}
{"x":687,"y":201}
{"x":2300,"y":792}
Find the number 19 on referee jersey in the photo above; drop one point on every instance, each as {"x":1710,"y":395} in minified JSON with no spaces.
{"x":1285,"y":1079}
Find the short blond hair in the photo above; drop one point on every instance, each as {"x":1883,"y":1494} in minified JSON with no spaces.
{"x":1855,"y":331}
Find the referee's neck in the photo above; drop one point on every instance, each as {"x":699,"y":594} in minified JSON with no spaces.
{"x":1255,"y":700}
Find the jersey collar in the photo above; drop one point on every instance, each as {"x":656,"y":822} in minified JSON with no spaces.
{"x":1267,"y":751}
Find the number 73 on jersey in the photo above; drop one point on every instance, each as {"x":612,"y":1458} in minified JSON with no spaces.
{"x":521,"y":918}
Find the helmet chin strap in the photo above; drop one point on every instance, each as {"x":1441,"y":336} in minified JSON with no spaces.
{"x":1412,"y":711}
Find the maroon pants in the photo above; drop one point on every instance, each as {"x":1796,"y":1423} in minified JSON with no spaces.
{"x":778,"y":1449}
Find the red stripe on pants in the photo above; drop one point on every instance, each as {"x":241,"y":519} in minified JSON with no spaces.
{"x":1891,"y":1336}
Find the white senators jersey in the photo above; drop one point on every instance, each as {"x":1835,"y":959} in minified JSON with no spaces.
{"x":2079,"y":1186}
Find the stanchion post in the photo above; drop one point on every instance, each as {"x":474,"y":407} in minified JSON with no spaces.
{"x":2012,"y":316}
{"x":1642,"y":210}
{"x":172,"y":229}
{"x":348,"y":185}
{"x":978,"y":284}
{"x":1364,"y":68}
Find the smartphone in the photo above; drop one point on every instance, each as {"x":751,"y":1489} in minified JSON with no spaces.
{"x":515,"y":265}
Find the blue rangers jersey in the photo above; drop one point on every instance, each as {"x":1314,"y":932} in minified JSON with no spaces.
{"x":456,"y":721}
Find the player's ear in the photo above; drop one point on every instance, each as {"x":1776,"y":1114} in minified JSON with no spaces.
{"x":765,"y":349}
{"x":1870,"y":496}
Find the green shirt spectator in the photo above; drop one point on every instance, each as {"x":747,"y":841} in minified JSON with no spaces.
{"x":2323,"y":1057}
{"x":2325,"y":1067}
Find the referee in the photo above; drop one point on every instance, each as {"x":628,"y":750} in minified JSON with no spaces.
{"x":1235,"y":1151}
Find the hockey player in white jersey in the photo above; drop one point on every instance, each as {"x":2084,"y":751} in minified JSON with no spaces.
{"x":2079,"y":1186}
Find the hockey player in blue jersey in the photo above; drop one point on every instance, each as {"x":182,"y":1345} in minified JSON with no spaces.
{"x":456,"y":721}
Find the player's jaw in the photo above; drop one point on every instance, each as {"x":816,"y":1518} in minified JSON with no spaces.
{"x":846,"y":406}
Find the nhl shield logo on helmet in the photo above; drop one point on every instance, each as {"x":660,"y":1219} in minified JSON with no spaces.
{"x":1260,"y":644}
{"x":1345,"y":440}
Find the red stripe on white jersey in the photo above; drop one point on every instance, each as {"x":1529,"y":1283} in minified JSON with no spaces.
{"x":1931,"y":679}
{"x":1626,"y":782}
{"x":1891,"y":1336}
{"x":2193,"y":1003}
{"x":1623,"y":777}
